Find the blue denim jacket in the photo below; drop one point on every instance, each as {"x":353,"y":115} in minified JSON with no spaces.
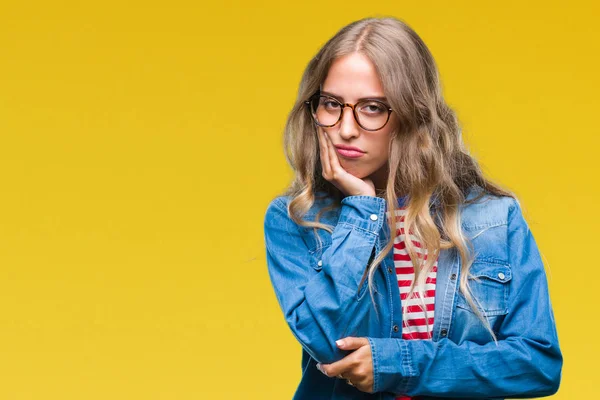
{"x":317,"y":287}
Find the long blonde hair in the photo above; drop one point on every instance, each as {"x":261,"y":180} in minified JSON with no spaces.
{"x":428,"y":161}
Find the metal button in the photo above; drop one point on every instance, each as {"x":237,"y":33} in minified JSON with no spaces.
{"x":373,"y":217}
{"x":320,"y":263}
{"x":444,"y":332}
{"x":501,"y":275}
{"x":453,"y":276}
{"x":390,"y":270}
{"x":395,"y":328}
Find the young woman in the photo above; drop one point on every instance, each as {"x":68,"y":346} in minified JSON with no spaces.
{"x":387,"y":200}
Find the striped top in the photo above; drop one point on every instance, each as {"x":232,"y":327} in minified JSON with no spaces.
{"x":414,"y":325}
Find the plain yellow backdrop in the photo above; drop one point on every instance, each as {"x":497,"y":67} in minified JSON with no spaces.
{"x":140,"y":143}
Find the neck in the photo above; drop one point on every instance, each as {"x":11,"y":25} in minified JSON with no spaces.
{"x":379,"y":179}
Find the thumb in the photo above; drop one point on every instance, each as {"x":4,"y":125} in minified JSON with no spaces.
{"x":350,"y":343}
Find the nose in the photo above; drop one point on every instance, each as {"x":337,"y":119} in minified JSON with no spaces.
{"x":348,"y":126}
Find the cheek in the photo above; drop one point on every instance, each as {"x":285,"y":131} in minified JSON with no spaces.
{"x":380,"y":148}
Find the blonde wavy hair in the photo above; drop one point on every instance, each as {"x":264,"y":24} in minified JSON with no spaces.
{"x":428,"y":160}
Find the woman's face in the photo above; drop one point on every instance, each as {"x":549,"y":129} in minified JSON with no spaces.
{"x":349,"y":79}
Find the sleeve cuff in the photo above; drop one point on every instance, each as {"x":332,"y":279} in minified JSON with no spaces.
{"x":363,"y":212}
{"x":393,"y":367}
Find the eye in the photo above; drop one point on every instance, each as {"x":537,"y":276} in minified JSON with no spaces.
{"x":329,"y":104}
{"x":372,"y":108}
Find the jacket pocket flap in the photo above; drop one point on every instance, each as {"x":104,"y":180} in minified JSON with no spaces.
{"x":490,"y":269}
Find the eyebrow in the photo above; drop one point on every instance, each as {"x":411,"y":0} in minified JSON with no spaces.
{"x":380,"y":98}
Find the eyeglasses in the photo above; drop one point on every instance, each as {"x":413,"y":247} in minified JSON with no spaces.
{"x":327,"y":111}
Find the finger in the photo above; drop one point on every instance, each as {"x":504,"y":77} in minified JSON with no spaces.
{"x":334,"y":161}
{"x":324,"y":152}
{"x":350,"y":343}
{"x":343,"y":366}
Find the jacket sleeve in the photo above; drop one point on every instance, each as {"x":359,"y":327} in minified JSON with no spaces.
{"x":526,"y":362}
{"x":320,"y":307}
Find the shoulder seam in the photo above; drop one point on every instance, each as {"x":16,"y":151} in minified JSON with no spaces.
{"x":279,"y":203}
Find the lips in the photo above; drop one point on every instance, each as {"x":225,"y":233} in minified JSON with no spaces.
{"x":352,"y":148}
{"x":349,"y":151}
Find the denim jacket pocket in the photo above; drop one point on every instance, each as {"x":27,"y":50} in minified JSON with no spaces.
{"x":489,"y":283}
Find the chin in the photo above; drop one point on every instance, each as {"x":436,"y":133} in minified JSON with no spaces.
{"x":357,"y":172}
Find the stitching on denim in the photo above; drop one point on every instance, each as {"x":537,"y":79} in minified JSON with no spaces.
{"x":444,"y":300}
{"x":407,"y":361}
{"x":376,"y":373}
{"x":497,"y":266}
{"x":391,"y":302}
{"x":279,"y":202}
{"x":506,"y":291}
{"x":353,"y":226}
{"x":491,"y":260}
{"x":364,"y":288}
{"x":370,"y":198}
{"x":490,"y":313}
{"x":462,"y":303}
{"x":319,"y":248}
{"x":454,"y":298}
{"x":484,"y":226}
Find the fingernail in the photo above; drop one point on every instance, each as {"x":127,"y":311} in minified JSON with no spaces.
{"x":319,"y":368}
{"x":339,"y":342}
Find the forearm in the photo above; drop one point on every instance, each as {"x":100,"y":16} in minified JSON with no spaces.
{"x":322,"y":307}
{"x":516,"y":367}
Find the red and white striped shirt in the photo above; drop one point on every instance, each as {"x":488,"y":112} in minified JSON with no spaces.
{"x":414,"y":324}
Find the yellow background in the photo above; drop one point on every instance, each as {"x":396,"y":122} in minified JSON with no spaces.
{"x":140,"y":143}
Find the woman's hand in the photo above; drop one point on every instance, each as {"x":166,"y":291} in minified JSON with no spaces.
{"x":357,"y":367}
{"x":337,"y":175}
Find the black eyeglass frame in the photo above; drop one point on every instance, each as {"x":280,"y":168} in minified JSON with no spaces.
{"x":344,"y":105}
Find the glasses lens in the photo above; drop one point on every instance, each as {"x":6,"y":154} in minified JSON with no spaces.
{"x":325,"y":110}
{"x":372,"y":114}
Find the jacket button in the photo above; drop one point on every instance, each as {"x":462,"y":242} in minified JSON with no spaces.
{"x":453,"y":276}
{"x":389,"y":270}
{"x":320,"y":263}
{"x":444,"y":332}
{"x":373,"y":217}
{"x":395,"y":328}
{"x":501,"y":275}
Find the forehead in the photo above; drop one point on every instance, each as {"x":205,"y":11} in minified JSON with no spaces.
{"x":352,"y":77}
